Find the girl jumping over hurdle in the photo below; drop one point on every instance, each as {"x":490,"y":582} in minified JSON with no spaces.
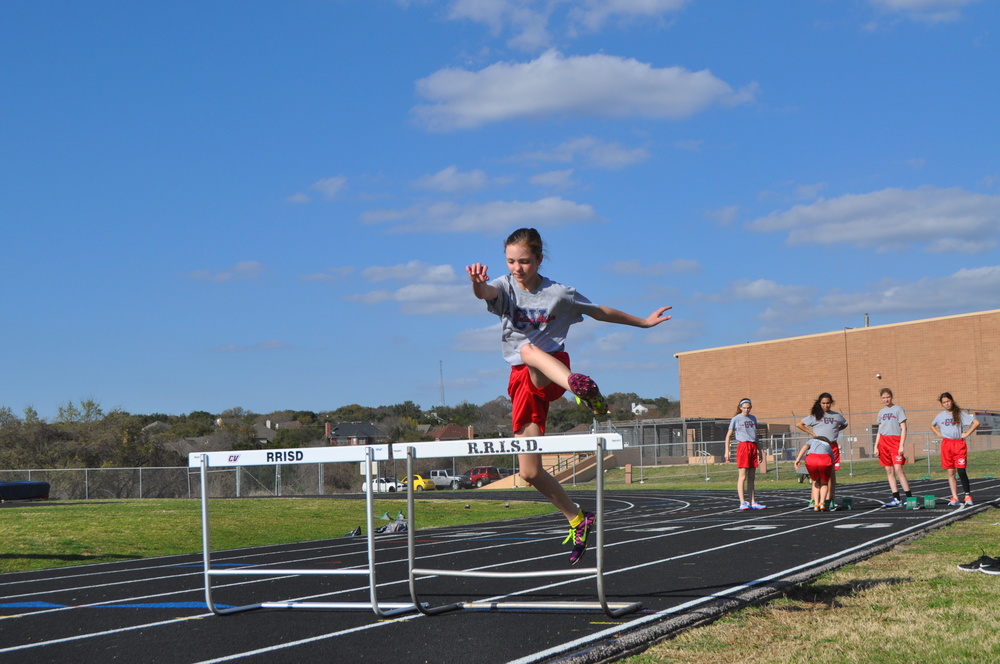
{"x":949,"y":424}
{"x":535,"y":316}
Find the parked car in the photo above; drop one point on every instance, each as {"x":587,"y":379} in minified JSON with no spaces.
{"x":506,"y":472}
{"x":384,"y":484}
{"x":420,"y":483}
{"x":443,"y":479}
{"x":483,"y":475}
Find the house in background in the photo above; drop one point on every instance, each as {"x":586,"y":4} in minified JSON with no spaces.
{"x":354,"y":433}
{"x":451,"y":432}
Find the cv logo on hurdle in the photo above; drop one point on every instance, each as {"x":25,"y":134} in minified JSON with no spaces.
{"x":517,"y":445}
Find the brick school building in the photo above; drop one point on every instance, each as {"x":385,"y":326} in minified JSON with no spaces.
{"x":918,"y":360}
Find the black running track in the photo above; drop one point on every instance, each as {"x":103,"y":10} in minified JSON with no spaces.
{"x":687,"y":556}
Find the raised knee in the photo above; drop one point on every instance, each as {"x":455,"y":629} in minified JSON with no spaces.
{"x":526,"y":351}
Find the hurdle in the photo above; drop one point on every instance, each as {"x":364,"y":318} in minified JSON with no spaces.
{"x":599,"y":443}
{"x":363,"y":453}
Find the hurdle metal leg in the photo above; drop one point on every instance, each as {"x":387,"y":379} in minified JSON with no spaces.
{"x":611,"y":609}
{"x":381,"y":609}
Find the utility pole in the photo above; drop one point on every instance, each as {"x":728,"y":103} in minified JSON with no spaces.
{"x":441,"y":380}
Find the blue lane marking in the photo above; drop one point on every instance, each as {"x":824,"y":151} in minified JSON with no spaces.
{"x":31,"y":605}
{"x":158,"y":605}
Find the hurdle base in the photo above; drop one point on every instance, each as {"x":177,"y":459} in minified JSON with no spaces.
{"x":613,"y":609}
{"x":385,"y":608}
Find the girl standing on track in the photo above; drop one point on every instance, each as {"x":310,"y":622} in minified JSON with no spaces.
{"x":748,"y":454}
{"x":890,"y":442}
{"x":826,"y":422}
{"x":954,"y":451}
{"x":535,"y":316}
{"x":819,"y":462}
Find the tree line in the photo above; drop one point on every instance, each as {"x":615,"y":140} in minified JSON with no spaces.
{"x":83,"y":435}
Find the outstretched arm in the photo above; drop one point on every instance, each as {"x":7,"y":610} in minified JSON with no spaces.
{"x":609,"y":315}
{"x":480,"y":278}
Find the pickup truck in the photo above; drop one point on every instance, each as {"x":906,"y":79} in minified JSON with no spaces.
{"x":443,"y":479}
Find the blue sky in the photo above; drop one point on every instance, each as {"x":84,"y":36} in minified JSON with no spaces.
{"x":270,"y":205}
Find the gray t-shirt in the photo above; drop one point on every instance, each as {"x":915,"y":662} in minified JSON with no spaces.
{"x":948,"y":427}
{"x":829,"y":427}
{"x":541,"y":317}
{"x":817,"y":446}
{"x":889,"y":420}
{"x":745,"y":427}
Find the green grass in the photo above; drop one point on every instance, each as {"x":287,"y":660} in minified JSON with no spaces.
{"x":55,"y":534}
{"x":910,"y":605}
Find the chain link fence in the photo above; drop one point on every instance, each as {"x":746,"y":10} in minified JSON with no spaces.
{"x":647,"y":447}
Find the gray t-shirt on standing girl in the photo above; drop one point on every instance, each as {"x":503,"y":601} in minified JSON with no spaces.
{"x":889,"y":420}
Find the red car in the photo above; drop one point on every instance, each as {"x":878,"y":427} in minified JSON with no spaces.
{"x":482,"y":475}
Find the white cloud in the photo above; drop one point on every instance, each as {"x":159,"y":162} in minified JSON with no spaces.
{"x":928,"y":11}
{"x":593,"y":14}
{"x":613,"y":343}
{"x":531,"y":22}
{"x":451,"y":180}
{"x":241,"y":271}
{"x":329,"y":275}
{"x":675,"y":331}
{"x":554,"y":179}
{"x":591,"y":151}
{"x":423,"y":289}
{"x":490,"y":218}
{"x":480,"y":340}
{"x":528,"y":20}
{"x":330,"y":187}
{"x":414,"y":271}
{"x":724,"y":216}
{"x":969,"y":289}
{"x":893,"y":219}
{"x":636,"y":267}
{"x":689,"y":145}
{"x":588,"y":86}
{"x":426,"y":299}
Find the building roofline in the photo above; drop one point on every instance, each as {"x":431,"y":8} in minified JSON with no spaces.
{"x":846,"y":330}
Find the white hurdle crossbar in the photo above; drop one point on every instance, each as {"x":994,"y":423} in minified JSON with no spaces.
{"x":598,"y":443}
{"x":357,"y":453}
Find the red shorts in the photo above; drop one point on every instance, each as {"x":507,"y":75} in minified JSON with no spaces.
{"x":953,"y":453}
{"x":531,"y":403}
{"x":820,"y":466}
{"x":836,"y":455}
{"x":746,"y":455}
{"x":888,"y":451}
